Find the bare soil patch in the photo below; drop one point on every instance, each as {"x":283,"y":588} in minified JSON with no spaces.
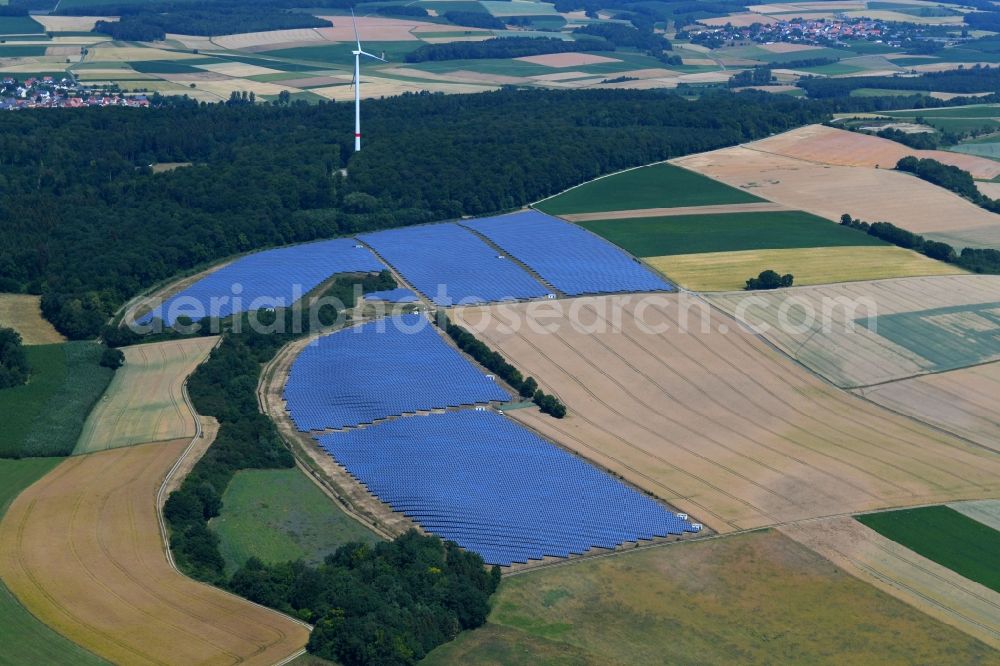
{"x":567,"y":59}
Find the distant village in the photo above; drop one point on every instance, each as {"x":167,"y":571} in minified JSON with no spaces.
{"x":818,"y":32}
{"x":47,"y":92}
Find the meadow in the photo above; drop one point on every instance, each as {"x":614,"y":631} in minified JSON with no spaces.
{"x":945,"y":536}
{"x":280,"y":516}
{"x":692,"y":234}
{"x":656,"y":186}
{"x":25,"y":640}
{"x":729,"y":271}
{"x":45,"y":416}
{"x":667,"y":604}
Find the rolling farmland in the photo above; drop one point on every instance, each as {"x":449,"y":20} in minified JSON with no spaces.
{"x":717,"y":423}
{"x":82,"y":551}
{"x":896,"y":570}
{"x":949,"y":318}
{"x":986,"y":512}
{"x":656,"y":186}
{"x":965,"y":402}
{"x":26,"y":640}
{"x":663,"y":605}
{"x":866,"y":193}
{"x":729,"y":271}
{"x":943,"y":535}
{"x":144,"y":402}
{"x":690,"y":234}
{"x":22,"y":313}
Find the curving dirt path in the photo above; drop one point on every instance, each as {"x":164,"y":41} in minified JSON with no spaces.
{"x":762,"y":207}
{"x":81,"y":549}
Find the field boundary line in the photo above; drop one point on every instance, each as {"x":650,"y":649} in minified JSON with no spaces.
{"x":607,"y":175}
{"x":166,"y":537}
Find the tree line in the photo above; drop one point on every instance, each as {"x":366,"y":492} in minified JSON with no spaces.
{"x":975,"y":79}
{"x":971,"y":259}
{"x":526,"y":387}
{"x":949,"y":177}
{"x":209,"y":21}
{"x":103,"y":227}
{"x":14,"y":369}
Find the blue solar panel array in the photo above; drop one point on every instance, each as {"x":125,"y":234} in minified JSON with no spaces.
{"x":570,"y":258}
{"x":495,"y":488}
{"x":392,"y":296}
{"x":451,"y":266}
{"x":287,"y":273}
{"x":384,"y":368}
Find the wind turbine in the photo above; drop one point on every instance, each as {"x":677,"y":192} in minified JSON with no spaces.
{"x":357,"y":83}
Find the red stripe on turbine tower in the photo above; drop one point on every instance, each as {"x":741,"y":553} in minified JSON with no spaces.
{"x":357,"y":135}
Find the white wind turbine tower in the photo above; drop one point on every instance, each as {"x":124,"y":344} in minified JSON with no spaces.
{"x":357,"y":83}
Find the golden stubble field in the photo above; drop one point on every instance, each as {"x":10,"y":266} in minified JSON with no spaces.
{"x":145,"y":401}
{"x":81,"y":550}
{"x":23,"y":313}
{"x":718,"y":423}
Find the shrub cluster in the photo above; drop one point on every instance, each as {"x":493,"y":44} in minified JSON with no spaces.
{"x":387,"y":604}
{"x":14,"y":369}
{"x":495,"y":363}
{"x":949,"y":177}
{"x":770,"y":280}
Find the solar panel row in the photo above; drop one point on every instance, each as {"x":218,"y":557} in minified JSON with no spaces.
{"x":451,"y":266}
{"x":495,"y":488}
{"x":392,"y":296}
{"x":384,"y":368}
{"x":570,"y":258}
{"x":274,"y":278}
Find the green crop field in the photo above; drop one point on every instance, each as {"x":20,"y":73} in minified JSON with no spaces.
{"x":280,"y":515}
{"x":750,"y":598}
{"x":691,"y":234}
{"x":656,"y":186}
{"x":941,"y":534}
{"x":25,"y":640}
{"x":20,"y":51}
{"x":44,"y":417}
{"x":20,"y":25}
{"x":985,"y":149}
{"x":950,"y":337}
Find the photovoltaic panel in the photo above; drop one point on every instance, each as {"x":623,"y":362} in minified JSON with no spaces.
{"x":495,"y":488}
{"x":568,"y":257}
{"x":383,"y":368}
{"x":452,"y":266}
{"x":273,"y":278}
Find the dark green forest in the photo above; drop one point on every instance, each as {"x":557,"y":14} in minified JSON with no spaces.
{"x":87,"y":224}
{"x":14,"y":369}
{"x":975,"y":79}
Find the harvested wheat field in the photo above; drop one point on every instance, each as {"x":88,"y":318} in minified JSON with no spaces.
{"x":145,"y":401}
{"x":81,"y":549}
{"x":964,"y":402}
{"x":23,"y":313}
{"x":869,"y":194}
{"x":710,"y":419}
{"x":926,"y":585}
{"x":921,"y":325}
{"x":729,"y":271}
{"x":829,"y":145}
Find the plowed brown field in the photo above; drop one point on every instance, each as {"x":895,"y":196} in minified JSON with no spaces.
{"x":717,"y":423}
{"x":81,"y":549}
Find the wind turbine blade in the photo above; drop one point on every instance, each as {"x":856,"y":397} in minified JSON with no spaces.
{"x":373,"y":56}
{"x":354,"y":20}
